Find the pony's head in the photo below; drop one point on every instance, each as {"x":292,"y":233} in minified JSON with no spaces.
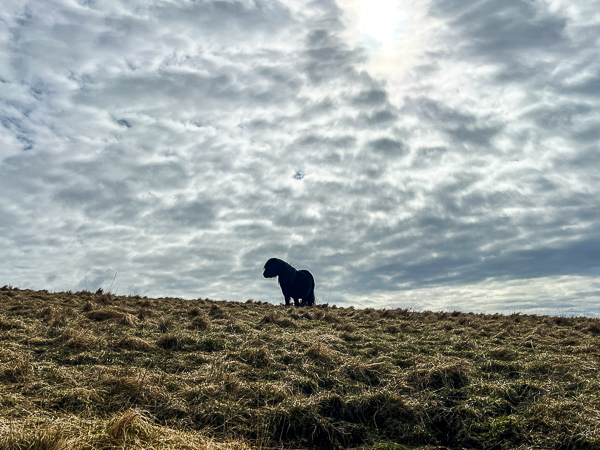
{"x":272,"y":267}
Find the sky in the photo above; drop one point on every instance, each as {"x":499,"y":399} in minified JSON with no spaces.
{"x":424,"y":154}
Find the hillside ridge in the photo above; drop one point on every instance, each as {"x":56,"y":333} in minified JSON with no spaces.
{"x":97,"y":370}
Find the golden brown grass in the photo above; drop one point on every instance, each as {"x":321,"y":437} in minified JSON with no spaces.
{"x":99,"y":371}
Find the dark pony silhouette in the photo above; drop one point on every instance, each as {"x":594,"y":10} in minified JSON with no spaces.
{"x":296,"y":284}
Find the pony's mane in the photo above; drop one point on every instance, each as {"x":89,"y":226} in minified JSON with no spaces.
{"x":286,"y":269}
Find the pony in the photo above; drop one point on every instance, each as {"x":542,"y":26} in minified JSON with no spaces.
{"x":296,"y":284}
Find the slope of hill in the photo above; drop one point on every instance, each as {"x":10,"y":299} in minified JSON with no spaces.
{"x":84,"y":370}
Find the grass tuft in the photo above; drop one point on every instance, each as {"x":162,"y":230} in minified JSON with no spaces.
{"x":129,"y":426}
{"x":168,"y":341}
{"x":218,"y":312}
{"x":82,"y":339}
{"x":129,"y":342}
{"x":277,"y":319}
{"x":17,"y":370}
{"x":200,"y":322}
{"x":105,"y":314}
{"x":320,"y":352}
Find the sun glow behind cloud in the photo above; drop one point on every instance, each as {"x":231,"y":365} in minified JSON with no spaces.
{"x":379,"y":19}
{"x":395,"y":34}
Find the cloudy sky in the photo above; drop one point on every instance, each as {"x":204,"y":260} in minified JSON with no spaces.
{"x":431,"y":154}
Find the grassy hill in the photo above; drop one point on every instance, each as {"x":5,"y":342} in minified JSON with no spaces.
{"x":85,"y":370}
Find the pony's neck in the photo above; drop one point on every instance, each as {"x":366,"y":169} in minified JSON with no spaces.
{"x":287,"y":273}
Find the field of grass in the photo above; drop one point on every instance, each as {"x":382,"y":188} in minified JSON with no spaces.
{"x":92,"y":371}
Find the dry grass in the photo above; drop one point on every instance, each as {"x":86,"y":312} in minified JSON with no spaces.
{"x":129,"y":429}
{"x":97,"y":371}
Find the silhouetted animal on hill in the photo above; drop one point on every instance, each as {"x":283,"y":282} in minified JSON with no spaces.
{"x":296,"y":284}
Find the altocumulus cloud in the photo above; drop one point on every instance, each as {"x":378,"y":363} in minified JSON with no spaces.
{"x":446,"y":163}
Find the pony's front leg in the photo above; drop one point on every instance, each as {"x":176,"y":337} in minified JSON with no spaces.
{"x":296,"y":302}
{"x":287,"y":301}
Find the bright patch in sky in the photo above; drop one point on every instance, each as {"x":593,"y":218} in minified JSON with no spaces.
{"x":395,"y":34}
{"x":379,"y":20}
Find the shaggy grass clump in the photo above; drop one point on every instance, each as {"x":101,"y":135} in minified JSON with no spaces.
{"x":99,"y":371}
